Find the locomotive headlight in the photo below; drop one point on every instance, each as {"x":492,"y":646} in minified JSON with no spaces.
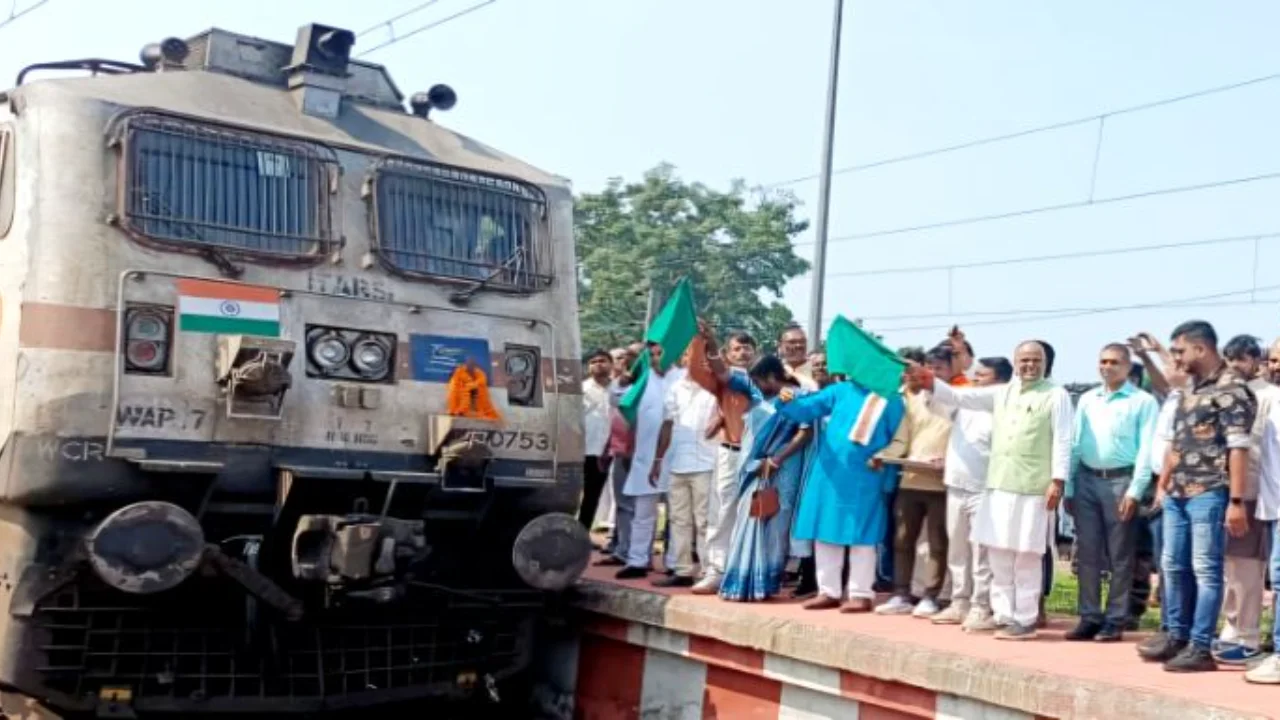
{"x":370,"y":357}
{"x":350,"y":354}
{"x":329,"y":352}
{"x":146,"y":339}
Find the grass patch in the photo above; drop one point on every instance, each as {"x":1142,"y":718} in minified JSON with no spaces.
{"x":1063,"y":600}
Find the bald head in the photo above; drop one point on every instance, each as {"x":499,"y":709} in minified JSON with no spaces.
{"x":1028,"y":361}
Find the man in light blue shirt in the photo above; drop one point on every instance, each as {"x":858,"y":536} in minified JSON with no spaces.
{"x":1111,"y":470}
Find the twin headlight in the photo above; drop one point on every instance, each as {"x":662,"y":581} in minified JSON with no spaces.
{"x":345,"y":354}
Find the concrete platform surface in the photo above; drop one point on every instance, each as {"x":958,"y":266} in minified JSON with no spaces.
{"x":1047,"y":677}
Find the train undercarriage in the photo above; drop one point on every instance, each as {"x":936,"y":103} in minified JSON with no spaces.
{"x":201,"y":603}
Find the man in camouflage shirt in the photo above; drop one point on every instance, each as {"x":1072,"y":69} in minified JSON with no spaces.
{"x":1202,"y":482}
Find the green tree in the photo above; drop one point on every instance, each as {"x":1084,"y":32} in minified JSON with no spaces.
{"x":735,"y":246}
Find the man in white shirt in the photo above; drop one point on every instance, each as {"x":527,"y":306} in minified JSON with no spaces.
{"x":1246,"y":557}
{"x":1268,"y":671}
{"x":965,"y":477}
{"x":1030,"y":459}
{"x":649,"y":477}
{"x":1177,"y":382}
{"x":595,"y":430}
{"x":690,"y":458}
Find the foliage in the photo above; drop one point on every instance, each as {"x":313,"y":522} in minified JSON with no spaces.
{"x":735,"y":246}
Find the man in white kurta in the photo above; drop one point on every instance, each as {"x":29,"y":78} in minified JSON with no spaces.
{"x":648,"y":478}
{"x":1032,"y":425}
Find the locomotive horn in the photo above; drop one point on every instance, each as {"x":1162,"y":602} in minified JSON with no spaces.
{"x":439,"y":97}
{"x":170,"y":51}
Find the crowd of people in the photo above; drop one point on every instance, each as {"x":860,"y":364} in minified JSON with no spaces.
{"x":774,"y":472}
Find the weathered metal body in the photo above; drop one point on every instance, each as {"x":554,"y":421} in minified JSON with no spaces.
{"x":342,"y":567}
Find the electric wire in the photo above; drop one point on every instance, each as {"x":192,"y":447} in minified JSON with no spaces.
{"x":422,"y":28}
{"x":992,"y":139}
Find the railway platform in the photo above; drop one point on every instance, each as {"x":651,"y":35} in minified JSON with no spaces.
{"x":635,"y":651}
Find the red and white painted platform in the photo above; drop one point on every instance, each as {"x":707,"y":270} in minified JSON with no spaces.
{"x":641,"y":652}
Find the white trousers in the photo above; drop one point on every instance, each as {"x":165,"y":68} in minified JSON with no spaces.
{"x":687,"y":517}
{"x":829,"y":563}
{"x":643,"y":526}
{"x":722,"y":513}
{"x":606,"y":509}
{"x":1015,"y":585}
{"x":967,"y":565}
{"x":1243,"y":585}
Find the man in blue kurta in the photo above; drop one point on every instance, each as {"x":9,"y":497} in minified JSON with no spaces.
{"x":843,"y":505}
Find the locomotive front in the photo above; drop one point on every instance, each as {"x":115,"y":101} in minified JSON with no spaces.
{"x":288,"y":387}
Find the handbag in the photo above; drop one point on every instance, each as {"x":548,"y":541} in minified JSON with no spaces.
{"x":765,"y":503}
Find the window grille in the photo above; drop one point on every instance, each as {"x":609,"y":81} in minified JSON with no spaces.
{"x":450,"y":223}
{"x":218,"y":188}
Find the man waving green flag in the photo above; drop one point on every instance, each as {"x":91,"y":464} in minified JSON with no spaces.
{"x":853,"y":352}
{"x":672,"y":330}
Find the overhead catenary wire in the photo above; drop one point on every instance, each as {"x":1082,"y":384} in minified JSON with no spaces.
{"x":390,"y":22}
{"x":1062,"y":125}
{"x":15,"y":14}
{"x":1211,"y":300}
{"x":1019,"y":259}
{"x":1058,"y":207}
{"x":421,"y":28}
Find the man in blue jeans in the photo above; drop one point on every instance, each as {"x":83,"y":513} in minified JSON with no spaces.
{"x":1203,"y":479}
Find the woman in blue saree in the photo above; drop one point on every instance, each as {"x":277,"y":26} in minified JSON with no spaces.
{"x":773,"y":458}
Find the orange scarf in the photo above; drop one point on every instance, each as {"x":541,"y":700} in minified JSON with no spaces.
{"x":468,"y":394}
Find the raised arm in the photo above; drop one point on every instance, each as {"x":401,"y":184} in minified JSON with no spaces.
{"x":715,"y":361}
{"x":979,"y":398}
{"x":1147,"y":349}
{"x":807,"y":409}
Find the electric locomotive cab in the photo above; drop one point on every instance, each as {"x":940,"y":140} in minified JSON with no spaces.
{"x":288,"y":387}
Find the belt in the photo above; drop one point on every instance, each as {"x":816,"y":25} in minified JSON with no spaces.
{"x":731,"y":446}
{"x":1112,"y":473}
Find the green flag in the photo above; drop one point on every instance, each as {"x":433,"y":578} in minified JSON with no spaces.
{"x":852,"y":352}
{"x":672,"y":329}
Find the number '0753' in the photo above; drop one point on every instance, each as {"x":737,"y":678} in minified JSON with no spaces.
{"x":518,"y":440}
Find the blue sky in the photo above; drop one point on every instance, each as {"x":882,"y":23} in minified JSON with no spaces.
{"x":734,"y":88}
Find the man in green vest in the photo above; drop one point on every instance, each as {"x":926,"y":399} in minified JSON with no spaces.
{"x":1032,"y":424}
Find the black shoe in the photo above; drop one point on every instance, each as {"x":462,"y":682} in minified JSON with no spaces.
{"x":1155,"y":640}
{"x":1084,"y":631}
{"x":808,"y":584}
{"x":673,"y":581}
{"x":1163,"y":651}
{"x":631,"y":573}
{"x":1191,"y":659}
{"x":611,"y":561}
{"x":1109,"y":634}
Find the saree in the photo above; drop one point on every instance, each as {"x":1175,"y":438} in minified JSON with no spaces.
{"x":760,"y":546}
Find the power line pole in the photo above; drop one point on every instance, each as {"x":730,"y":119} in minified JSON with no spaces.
{"x":648,"y":310}
{"x":824,"y":182}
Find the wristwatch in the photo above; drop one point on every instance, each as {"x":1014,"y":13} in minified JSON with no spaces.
{"x":1237,"y":501}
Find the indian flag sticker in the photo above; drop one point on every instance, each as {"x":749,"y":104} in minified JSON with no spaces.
{"x":205,"y":306}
